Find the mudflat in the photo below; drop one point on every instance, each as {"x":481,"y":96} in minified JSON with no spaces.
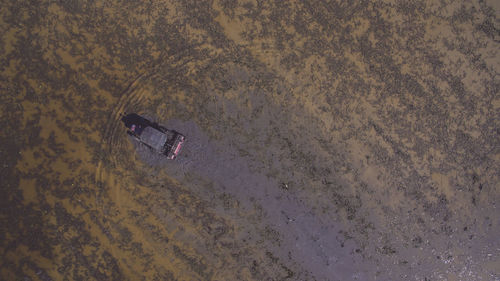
{"x":326,"y":140}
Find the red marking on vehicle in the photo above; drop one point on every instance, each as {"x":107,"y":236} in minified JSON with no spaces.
{"x":178,"y":148}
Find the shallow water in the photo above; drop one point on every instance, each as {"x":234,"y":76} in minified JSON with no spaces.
{"x":325,"y":140}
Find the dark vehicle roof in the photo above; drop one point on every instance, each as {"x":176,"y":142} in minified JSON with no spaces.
{"x":153,"y":138}
{"x":133,"y":119}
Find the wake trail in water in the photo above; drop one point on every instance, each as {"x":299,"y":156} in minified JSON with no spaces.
{"x":114,"y":139}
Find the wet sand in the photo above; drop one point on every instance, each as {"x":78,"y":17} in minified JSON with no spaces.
{"x":325,"y":140}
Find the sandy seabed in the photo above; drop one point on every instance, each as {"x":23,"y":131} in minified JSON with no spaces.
{"x":326,"y":140}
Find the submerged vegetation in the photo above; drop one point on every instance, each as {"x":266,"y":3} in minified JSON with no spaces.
{"x":326,"y":140}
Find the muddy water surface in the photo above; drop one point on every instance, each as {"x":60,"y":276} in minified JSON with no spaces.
{"x":325,"y":140}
